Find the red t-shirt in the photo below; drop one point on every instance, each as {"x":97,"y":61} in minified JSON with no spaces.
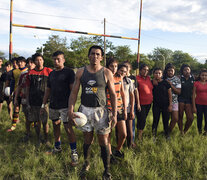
{"x":145,"y":90}
{"x":201,"y":93}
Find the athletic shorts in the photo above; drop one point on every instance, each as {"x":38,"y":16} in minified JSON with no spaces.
{"x":35,"y":116}
{"x":97,"y":118}
{"x":120,"y":115}
{"x":185,"y":101}
{"x":175,"y":107}
{"x":1,"y":97}
{"x":25,"y":111}
{"x":56,"y":114}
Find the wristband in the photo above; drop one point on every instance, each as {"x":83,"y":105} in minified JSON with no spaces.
{"x":43,"y":106}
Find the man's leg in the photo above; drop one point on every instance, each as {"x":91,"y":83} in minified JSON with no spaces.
{"x":180,"y":119}
{"x":156,"y":118}
{"x":15,"y":118}
{"x":44,"y":119}
{"x":129,"y":132}
{"x":56,"y":130}
{"x":9,"y":107}
{"x":105,"y":155}
{"x":189,"y":117}
{"x":121,"y":128}
{"x":72,"y":140}
{"x":88,"y":139}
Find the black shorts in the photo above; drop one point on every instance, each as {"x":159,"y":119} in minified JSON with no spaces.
{"x":120,"y":115}
{"x":184,"y":100}
{"x":1,"y":97}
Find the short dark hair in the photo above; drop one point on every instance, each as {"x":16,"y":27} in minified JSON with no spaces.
{"x":95,"y":47}
{"x":168,"y":66}
{"x":8,"y":63}
{"x":29,"y":59}
{"x":182,"y":68}
{"x":143,"y":66}
{"x":121,"y":66}
{"x":34,"y":56}
{"x":56,"y":53}
{"x":21,"y":58}
{"x":110,"y":61}
{"x":127,"y":62}
{"x":156,"y":69}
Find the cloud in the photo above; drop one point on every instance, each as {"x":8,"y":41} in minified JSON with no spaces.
{"x":175,"y":16}
{"x":122,"y":17}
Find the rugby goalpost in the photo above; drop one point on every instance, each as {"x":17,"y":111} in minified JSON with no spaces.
{"x":72,"y":31}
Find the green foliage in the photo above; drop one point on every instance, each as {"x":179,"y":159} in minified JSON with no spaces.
{"x":53,"y":44}
{"x":2,"y":54}
{"x":180,"y":158}
{"x":76,"y":53}
{"x":81,"y":46}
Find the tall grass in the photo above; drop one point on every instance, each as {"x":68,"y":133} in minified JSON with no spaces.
{"x":180,"y":158}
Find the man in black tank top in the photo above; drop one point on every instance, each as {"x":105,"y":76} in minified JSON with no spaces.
{"x":94,"y":79}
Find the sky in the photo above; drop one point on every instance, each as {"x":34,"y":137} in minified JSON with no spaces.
{"x":176,"y":25}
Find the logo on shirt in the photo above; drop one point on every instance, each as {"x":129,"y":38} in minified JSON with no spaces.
{"x":91,"y":90}
{"x":91,"y":82}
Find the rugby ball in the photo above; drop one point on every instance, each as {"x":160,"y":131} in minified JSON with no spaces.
{"x":7,"y":91}
{"x":81,"y":120}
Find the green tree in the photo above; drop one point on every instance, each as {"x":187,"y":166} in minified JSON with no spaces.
{"x":161,"y":56}
{"x":2,"y":54}
{"x":81,"y":46}
{"x":179,"y":58}
{"x":123,"y":53}
{"x":53,"y":44}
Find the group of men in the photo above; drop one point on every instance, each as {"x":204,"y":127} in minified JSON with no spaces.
{"x":36,"y":85}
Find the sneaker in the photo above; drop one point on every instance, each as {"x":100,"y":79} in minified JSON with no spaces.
{"x":74,"y":158}
{"x":54,"y":151}
{"x":118,"y":154}
{"x":11,"y":129}
{"x":84,"y":170}
{"x":107,"y":175}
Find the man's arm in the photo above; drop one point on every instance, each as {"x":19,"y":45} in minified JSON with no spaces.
{"x":136,"y":94}
{"x":17,"y":92}
{"x":170,"y":100}
{"x":132,"y":100}
{"x":46,"y":96}
{"x":174,"y":89}
{"x":193,"y":100}
{"x":74,"y":95}
{"x":123,"y":100}
{"x":110,"y":84}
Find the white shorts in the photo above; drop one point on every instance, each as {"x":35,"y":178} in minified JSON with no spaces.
{"x":56,"y":114}
{"x":97,"y":118}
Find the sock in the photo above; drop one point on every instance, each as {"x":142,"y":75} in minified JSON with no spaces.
{"x":15,"y":118}
{"x":105,"y":155}
{"x":57,"y":144}
{"x":86,"y":152}
{"x":73,"y":146}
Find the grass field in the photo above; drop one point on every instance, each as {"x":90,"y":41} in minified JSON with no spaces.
{"x":180,"y":158}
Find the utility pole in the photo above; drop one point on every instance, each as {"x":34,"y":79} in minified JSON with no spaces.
{"x":104,"y":41}
{"x":10,"y":33}
{"x":139,"y":35}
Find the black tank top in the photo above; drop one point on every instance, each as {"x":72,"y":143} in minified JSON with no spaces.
{"x":93,"y":88}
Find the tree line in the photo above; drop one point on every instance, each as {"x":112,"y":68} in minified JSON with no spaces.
{"x":76,"y":53}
